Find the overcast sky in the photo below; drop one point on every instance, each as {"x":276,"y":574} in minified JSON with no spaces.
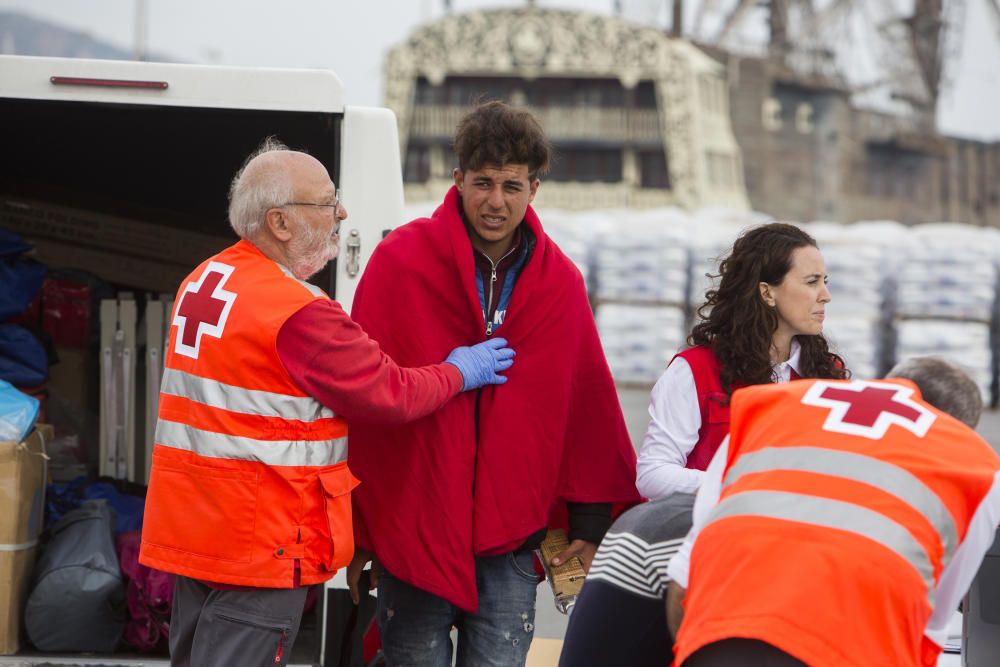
{"x":352,"y":37}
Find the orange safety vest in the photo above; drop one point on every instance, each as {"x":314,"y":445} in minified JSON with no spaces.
{"x":841,"y":504}
{"x":249,"y":472}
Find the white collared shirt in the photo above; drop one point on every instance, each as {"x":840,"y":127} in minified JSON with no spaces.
{"x":674,"y":422}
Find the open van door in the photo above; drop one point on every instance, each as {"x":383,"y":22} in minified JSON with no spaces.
{"x":122,"y":168}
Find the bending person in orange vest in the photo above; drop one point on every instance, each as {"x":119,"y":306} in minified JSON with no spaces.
{"x":839,"y":525}
{"x":249,"y":498}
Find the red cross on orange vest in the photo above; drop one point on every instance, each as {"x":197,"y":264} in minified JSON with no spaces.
{"x":868,"y":409}
{"x":866,"y":405}
{"x":203,"y":309}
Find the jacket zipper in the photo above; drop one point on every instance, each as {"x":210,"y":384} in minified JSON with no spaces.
{"x":489,"y":303}
{"x":493,"y":280}
{"x":488,"y":317}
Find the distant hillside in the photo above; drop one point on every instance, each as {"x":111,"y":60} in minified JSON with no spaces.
{"x":25,"y":35}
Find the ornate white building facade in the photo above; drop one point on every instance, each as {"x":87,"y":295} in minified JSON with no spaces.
{"x":637,"y":119}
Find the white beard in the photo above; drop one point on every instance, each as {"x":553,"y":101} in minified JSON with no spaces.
{"x":311,"y":251}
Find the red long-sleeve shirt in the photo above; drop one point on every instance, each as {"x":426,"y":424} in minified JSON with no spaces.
{"x":329,"y":356}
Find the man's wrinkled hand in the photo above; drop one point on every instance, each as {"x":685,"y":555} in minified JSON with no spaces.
{"x":357,"y":565}
{"x":585,"y":550}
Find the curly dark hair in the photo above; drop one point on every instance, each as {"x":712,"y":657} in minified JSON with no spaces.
{"x":498,"y":134}
{"x":739,"y":326}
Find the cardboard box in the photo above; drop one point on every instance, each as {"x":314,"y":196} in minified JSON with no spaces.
{"x":22,"y":505}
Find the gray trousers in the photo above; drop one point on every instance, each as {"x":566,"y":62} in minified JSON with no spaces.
{"x":217,"y":628}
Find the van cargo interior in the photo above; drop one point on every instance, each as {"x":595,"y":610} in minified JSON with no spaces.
{"x":166,"y":166}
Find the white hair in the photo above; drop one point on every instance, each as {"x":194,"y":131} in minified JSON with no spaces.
{"x":251,"y":195}
{"x":944,"y":385}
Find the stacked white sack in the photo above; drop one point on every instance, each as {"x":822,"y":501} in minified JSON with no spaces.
{"x":642,"y":259}
{"x":574,"y":235}
{"x":949,"y":271}
{"x":857,"y":318}
{"x":946,"y":297}
{"x":639,"y":340}
{"x":965,"y":343}
{"x":641,"y":285}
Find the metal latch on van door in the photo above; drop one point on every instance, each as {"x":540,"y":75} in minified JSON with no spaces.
{"x":353,"y":253}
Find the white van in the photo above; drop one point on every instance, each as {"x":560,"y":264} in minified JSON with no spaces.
{"x":122,"y":169}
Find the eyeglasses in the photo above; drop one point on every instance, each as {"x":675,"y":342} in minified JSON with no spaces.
{"x":336,"y":205}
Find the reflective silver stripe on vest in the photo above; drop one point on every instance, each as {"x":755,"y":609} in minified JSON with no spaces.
{"x":829,"y":513}
{"x":860,"y":468}
{"x":237,"y":448}
{"x":237,"y":399}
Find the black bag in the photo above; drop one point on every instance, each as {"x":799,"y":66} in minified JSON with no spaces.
{"x":78,"y":600}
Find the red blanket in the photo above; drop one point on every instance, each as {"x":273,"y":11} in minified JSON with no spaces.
{"x":431,"y":498}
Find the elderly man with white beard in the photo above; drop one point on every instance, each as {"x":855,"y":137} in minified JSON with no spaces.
{"x":249,"y":494}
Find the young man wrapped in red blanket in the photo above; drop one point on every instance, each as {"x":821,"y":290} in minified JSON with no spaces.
{"x":453,"y":505}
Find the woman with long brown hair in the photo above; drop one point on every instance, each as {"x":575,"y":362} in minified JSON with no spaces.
{"x":763,"y":323}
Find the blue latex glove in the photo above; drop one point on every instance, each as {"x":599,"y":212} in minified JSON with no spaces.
{"x":480,"y":363}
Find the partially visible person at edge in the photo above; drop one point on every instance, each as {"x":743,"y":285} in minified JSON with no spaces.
{"x":620,"y":615}
{"x":762,"y":324}
{"x":453,"y":505}
{"x":249,"y":495}
{"x":862,"y":511}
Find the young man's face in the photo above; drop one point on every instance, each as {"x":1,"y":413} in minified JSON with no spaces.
{"x":494,"y":199}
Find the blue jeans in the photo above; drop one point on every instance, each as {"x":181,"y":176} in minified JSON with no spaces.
{"x":416,"y":625}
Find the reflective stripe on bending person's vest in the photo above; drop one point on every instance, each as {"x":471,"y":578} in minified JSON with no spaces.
{"x":841,"y":514}
{"x":859,"y":468}
{"x":836,"y":514}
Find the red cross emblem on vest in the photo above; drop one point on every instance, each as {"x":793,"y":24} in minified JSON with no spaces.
{"x":868,"y":409}
{"x":203,"y":309}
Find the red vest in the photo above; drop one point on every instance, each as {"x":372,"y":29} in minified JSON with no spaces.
{"x":841,"y":504}
{"x":249,"y":475}
{"x":713,"y":403}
